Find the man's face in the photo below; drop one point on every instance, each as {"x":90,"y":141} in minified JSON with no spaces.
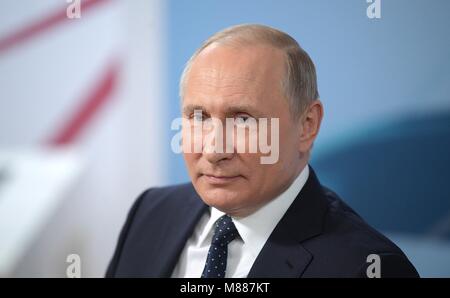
{"x":240,"y":82}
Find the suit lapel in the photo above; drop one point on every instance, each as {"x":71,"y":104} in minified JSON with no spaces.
{"x":175,"y":236}
{"x":280,"y":260}
{"x":283,"y":255}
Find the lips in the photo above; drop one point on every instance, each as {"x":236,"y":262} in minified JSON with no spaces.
{"x":220,"y":180}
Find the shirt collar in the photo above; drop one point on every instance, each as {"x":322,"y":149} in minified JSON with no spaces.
{"x":256,"y":228}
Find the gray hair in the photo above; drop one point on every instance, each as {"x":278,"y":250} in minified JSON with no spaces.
{"x":299,"y":83}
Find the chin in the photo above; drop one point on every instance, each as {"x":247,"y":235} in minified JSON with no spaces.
{"x":223,"y":199}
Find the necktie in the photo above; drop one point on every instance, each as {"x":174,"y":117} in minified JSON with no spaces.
{"x":216,"y":262}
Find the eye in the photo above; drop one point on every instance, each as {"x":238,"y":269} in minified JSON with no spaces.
{"x":197,"y":116}
{"x":242,"y":119}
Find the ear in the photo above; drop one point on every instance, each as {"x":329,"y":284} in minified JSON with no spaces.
{"x":310,"y":125}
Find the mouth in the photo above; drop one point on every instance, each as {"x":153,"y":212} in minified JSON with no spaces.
{"x":220,"y":180}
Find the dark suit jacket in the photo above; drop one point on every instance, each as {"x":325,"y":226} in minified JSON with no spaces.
{"x":319,"y":236}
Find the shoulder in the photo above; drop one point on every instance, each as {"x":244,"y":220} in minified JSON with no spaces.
{"x":156,"y":205}
{"x":166,"y":197}
{"x":157,"y":212}
{"x":349,"y":242}
{"x":343,"y":220}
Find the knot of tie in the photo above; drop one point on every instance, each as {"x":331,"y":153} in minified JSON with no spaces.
{"x":224,"y":232}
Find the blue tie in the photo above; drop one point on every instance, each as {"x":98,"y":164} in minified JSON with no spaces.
{"x":216,"y":262}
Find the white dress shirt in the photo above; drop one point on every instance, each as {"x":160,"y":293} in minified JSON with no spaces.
{"x":254,"y":230}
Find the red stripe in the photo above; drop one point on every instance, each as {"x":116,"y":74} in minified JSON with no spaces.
{"x":43,"y":25}
{"x":91,"y":105}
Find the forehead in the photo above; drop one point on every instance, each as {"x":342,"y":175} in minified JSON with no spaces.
{"x":223,"y":75}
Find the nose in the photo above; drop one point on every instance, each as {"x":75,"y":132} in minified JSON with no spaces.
{"x":214,"y":157}
{"x":216,"y":147}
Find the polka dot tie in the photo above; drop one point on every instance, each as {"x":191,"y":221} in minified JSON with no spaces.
{"x":216,"y":262}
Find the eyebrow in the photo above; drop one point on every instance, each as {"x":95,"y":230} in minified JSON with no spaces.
{"x":242,"y":108}
{"x":231,"y":110}
{"x":190,"y":108}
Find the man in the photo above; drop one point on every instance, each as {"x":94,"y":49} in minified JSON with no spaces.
{"x":241,"y":217}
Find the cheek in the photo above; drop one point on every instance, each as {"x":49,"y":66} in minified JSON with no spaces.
{"x":191,"y":161}
{"x":191,"y":138}
{"x":254,"y":169}
{"x":289,"y":139}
